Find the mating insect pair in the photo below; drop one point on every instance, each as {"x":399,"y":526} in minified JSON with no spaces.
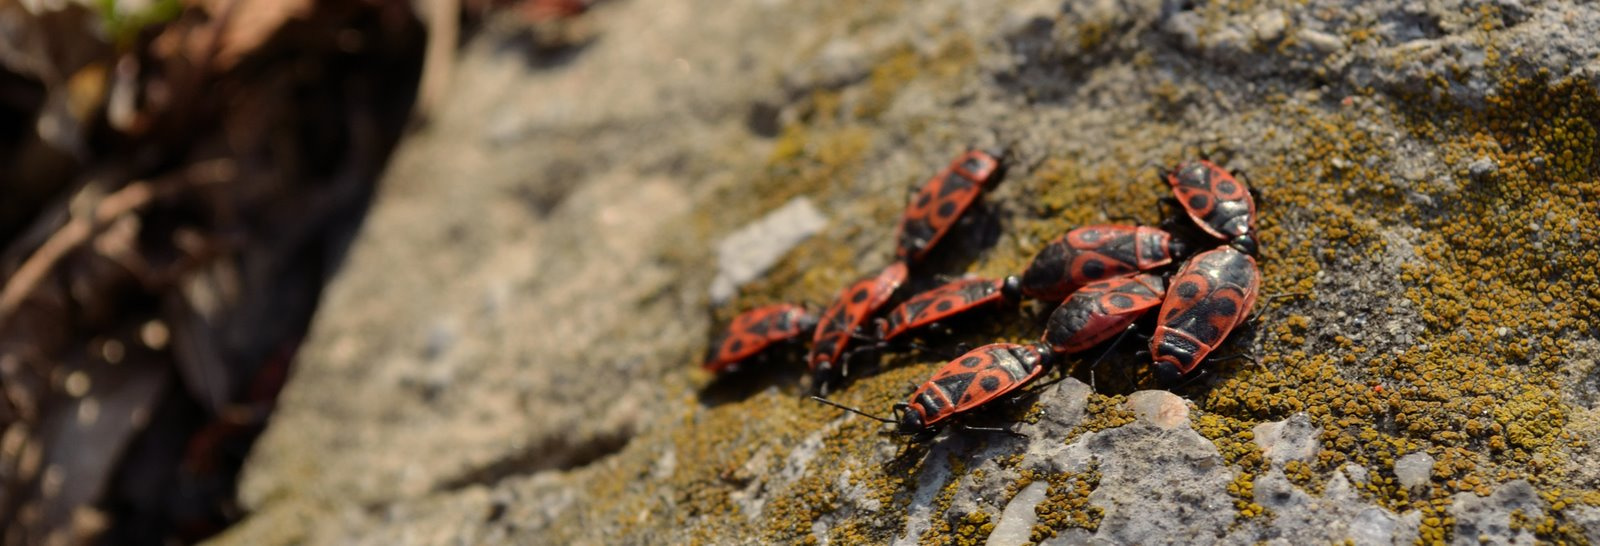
{"x":1105,"y":271}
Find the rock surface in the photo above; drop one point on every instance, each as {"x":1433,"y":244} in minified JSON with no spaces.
{"x":745,"y":254}
{"x":1413,"y":471}
{"x":509,"y":354}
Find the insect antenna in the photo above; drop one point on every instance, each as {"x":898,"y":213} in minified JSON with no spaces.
{"x":1191,"y":380}
{"x":998,"y":430}
{"x":1241,"y":356}
{"x":1114,"y":344}
{"x":852,"y":410}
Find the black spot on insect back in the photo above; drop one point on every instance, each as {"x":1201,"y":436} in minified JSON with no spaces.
{"x":1188,"y":290}
{"x":1224,"y":306}
{"x":1094,"y":269}
{"x":953,"y":184}
{"x":1120,"y":301}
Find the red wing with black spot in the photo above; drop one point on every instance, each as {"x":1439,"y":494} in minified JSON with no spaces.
{"x":1092,"y":253}
{"x":975,"y":378}
{"x":753,"y":331}
{"x":1217,"y":202}
{"x":941,"y":201}
{"x":941,"y":303}
{"x":1100,"y":310}
{"x":1209,"y":296}
{"x":851,"y":308}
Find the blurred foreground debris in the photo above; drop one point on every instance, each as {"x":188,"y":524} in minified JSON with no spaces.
{"x":180,"y":180}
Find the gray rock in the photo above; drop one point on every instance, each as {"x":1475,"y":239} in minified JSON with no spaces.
{"x":1414,"y":471}
{"x":1156,"y":461}
{"x":936,"y":472}
{"x":1340,"y":514}
{"x":1071,"y":537}
{"x":1358,"y":474}
{"x":1481,"y":169}
{"x":1587,"y":518}
{"x":1159,"y":408}
{"x":839,"y":62}
{"x":1171,"y":470}
{"x":1016,"y":522}
{"x":1487,"y":520}
{"x":1319,"y":41}
{"x":1293,"y":439}
{"x":593,"y":333}
{"x":742,"y":256}
{"x":1043,"y":448}
{"x":1063,"y":406}
{"x":1270,"y":25}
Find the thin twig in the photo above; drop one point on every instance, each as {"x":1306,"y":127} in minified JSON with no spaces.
{"x":78,"y":231}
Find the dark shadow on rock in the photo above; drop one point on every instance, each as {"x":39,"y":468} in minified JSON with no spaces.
{"x":547,"y":189}
{"x":910,"y":456}
{"x":762,"y":119}
{"x":1047,"y":76}
{"x":784,"y":368}
{"x":553,"y":453}
{"x":540,"y":48}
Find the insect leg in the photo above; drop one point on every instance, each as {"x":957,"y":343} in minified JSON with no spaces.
{"x":1001,"y":430}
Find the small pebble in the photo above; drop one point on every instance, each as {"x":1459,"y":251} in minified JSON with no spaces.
{"x":1320,"y":41}
{"x":1414,"y":470}
{"x":1482,"y":168}
{"x":1269,"y":25}
{"x":1160,"y":408}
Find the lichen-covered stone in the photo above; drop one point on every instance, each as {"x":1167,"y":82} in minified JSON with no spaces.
{"x":1432,"y":305}
{"x":1504,"y":517}
{"x":1293,"y":439}
{"x":748,"y":252}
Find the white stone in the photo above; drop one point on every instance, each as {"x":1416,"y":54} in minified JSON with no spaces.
{"x":1414,"y":470}
{"x":1292,"y":439}
{"x":745,"y":254}
{"x":1160,"y":408}
{"x":1016,"y":522}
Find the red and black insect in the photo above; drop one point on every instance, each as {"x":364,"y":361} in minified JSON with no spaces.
{"x":971,"y":380}
{"x":946,"y":301}
{"x":849,"y":310}
{"x":1092,"y":253}
{"x":1100,"y":310}
{"x":941,"y":200}
{"x":1206,"y":299}
{"x":1218,"y":203}
{"x":755,"y":330}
